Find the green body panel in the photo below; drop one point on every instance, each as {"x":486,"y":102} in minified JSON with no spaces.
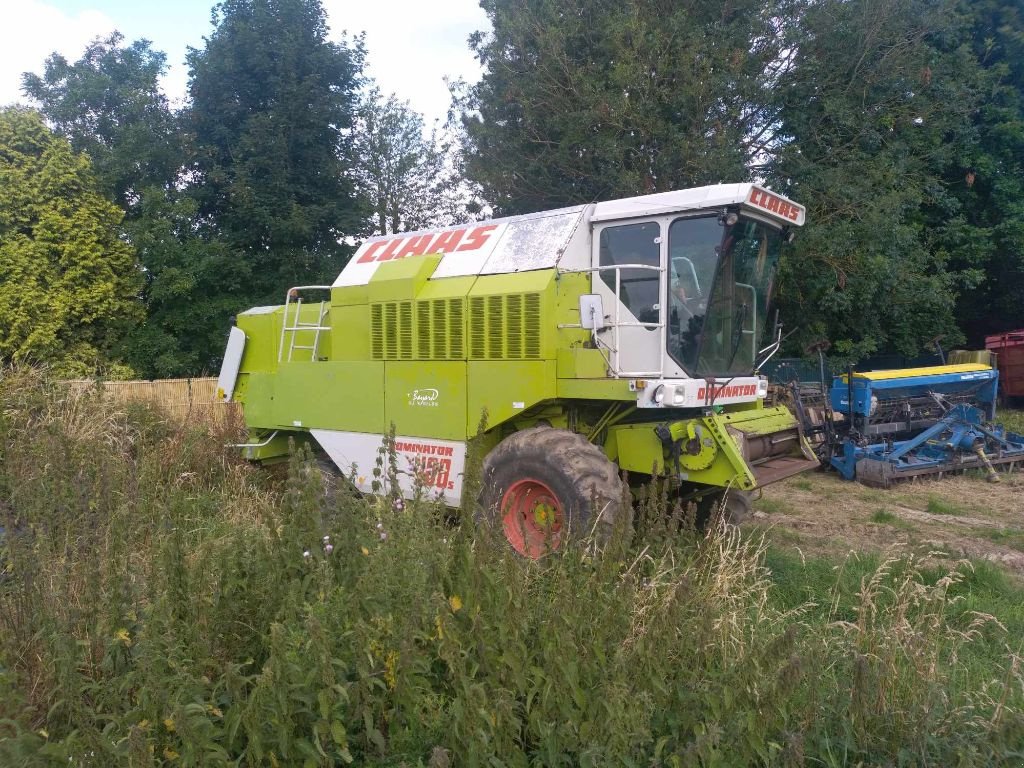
{"x":348,"y":295}
{"x":506,"y":389}
{"x":262,"y":336}
{"x":425,"y":401}
{"x":430,"y":356}
{"x":349,"y":339}
{"x":595,"y":389}
{"x":449,"y":288}
{"x":401,"y":280}
{"x":580,"y":363}
{"x":637,"y":448}
{"x":345,"y":396}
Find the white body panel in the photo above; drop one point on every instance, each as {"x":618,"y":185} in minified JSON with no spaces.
{"x":558,"y":238}
{"x":232,"y":362}
{"x":440,"y":463}
{"x":717,"y":196}
{"x":701,"y":393}
{"x":501,"y":246}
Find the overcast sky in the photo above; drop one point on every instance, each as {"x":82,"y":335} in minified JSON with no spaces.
{"x":413,"y":45}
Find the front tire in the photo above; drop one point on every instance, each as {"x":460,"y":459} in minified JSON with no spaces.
{"x":543,"y":485}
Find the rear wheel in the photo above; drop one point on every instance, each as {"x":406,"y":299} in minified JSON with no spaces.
{"x":543,"y":485}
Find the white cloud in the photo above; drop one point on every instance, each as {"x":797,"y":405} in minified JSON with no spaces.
{"x":32,"y":30}
{"x":412,"y":45}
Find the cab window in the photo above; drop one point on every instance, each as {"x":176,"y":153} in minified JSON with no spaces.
{"x":639,"y":289}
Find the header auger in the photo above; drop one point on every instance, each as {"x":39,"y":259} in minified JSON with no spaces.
{"x":621,"y":337}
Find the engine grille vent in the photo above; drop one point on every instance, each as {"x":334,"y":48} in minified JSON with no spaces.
{"x":421,"y":330}
{"x":505,"y":327}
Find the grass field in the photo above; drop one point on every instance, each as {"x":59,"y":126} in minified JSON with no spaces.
{"x":165,"y":604}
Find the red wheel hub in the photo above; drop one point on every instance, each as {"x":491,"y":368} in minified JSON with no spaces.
{"x":532,"y":518}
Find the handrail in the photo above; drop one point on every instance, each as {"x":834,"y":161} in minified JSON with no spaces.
{"x":298,"y":324}
{"x":661,"y":325}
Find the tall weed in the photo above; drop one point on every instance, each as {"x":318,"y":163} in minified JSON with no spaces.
{"x":164,"y":603}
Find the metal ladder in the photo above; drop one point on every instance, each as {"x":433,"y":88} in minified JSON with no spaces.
{"x":293,"y":301}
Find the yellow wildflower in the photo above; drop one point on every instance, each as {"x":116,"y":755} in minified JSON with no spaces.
{"x":169,"y":724}
{"x":390,"y":665}
{"x":364,"y":550}
{"x":123,"y":636}
{"x":170,"y":754}
{"x":455,"y":602}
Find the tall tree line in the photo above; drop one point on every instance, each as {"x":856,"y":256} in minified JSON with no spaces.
{"x":899,"y":123}
{"x":259,"y":183}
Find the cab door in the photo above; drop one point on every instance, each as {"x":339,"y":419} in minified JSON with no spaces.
{"x":629,"y":276}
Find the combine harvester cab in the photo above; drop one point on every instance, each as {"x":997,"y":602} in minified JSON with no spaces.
{"x":889,"y":426}
{"x":618,"y":337}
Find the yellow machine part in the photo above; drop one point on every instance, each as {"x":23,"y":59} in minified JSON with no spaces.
{"x":907,"y":373}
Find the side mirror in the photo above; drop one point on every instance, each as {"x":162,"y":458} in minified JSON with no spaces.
{"x":591,"y":311}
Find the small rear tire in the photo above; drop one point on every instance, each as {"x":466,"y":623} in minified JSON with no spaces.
{"x":542,"y":485}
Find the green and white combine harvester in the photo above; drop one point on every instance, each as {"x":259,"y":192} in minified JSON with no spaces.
{"x":617,"y":339}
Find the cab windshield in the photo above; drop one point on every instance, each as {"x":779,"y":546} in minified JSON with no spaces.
{"x":720,"y":283}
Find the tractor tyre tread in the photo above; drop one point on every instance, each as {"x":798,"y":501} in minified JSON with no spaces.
{"x":579,"y":469}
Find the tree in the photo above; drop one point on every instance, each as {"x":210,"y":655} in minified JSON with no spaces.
{"x":68,"y":283}
{"x":108,"y":104}
{"x":589,"y":100}
{"x":406,"y":176}
{"x":983,"y":227}
{"x":875,"y":108}
{"x":273,"y":102}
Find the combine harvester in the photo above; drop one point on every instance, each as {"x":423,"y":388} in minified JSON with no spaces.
{"x":881,"y":427}
{"x":611,"y":338}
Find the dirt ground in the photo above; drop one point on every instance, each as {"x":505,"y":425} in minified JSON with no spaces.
{"x":818,"y":513}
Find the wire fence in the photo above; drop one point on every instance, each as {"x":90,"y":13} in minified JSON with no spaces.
{"x":182,"y":400}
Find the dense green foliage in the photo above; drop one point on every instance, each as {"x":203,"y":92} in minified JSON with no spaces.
{"x":876,"y":109}
{"x":590,"y":101}
{"x":245,"y":192}
{"x":68,"y":284}
{"x":272,"y":100}
{"x":897,"y":122}
{"x":163,"y":603}
{"x":403,"y":173}
{"x":108,"y":104}
{"x":984,"y":229}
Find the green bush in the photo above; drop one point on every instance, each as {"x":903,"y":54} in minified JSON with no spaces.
{"x":167,"y":604}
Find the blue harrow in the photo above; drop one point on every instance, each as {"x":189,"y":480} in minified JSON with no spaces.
{"x":882,"y":427}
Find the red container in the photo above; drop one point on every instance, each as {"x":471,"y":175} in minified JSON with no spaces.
{"x":1009,"y":349}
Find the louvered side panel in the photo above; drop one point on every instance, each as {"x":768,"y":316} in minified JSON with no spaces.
{"x":377,"y":331}
{"x":531,"y":326}
{"x":514,"y":326}
{"x":496,"y":327}
{"x":390,"y":332}
{"x":456,"y":329}
{"x":477,"y":328}
{"x":425,"y":333}
{"x":405,"y":330}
